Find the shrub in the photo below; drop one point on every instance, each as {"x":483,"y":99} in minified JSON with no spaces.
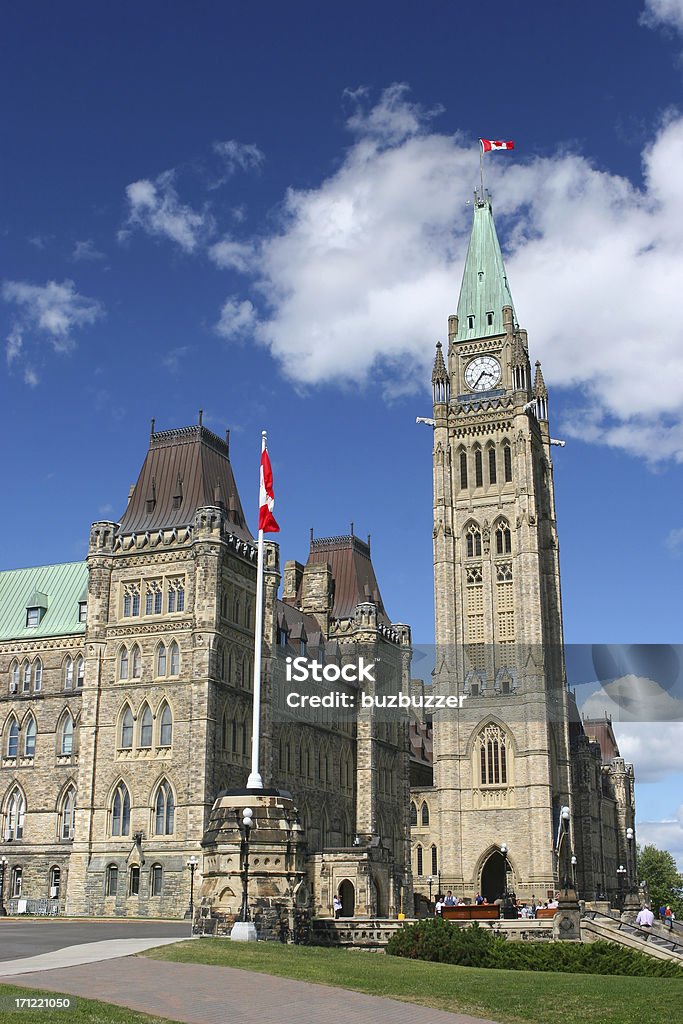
{"x":439,"y":941}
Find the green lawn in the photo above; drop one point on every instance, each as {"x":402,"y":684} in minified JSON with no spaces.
{"x":85,"y":1011}
{"x":505,"y":996}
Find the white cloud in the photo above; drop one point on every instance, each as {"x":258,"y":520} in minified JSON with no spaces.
{"x":364,"y":268}
{"x":655,"y":749}
{"x":154,"y":207}
{"x":237,"y":319}
{"x":30,"y":377}
{"x":14,"y":345}
{"x":86,"y":251}
{"x":52,"y":310}
{"x":174,"y":359}
{"x":665,"y":13}
{"x":674,"y":541}
{"x":237,"y":156}
{"x":230,"y":254}
{"x":665,"y":835}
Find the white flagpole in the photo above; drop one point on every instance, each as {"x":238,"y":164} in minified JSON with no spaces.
{"x":255,"y":781}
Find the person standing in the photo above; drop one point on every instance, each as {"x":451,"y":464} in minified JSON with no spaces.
{"x":337,"y":904}
{"x":645,"y":918}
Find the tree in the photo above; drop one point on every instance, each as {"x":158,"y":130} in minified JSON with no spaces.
{"x":664,"y":882}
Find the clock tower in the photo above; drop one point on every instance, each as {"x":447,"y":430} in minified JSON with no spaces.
{"x":501,"y":759}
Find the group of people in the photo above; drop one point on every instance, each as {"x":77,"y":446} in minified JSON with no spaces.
{"x":524,"y":910}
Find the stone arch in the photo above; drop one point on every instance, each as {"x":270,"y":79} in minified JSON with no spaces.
{"x":347,"y":895}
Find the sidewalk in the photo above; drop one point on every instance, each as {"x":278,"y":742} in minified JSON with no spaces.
{"x":201,"y":994}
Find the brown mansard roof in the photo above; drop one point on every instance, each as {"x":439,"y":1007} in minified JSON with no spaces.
{"x":353,"y":574}
{"x":184,"y":469}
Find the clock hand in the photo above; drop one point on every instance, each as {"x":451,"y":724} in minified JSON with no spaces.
{"x":482,"y":374}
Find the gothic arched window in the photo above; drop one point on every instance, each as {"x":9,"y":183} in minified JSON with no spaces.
{"x":493,"y":756}
{"x":507,"y":461}
{"x":164,"y":810}
{"x":146,"y":727}
{"x":68,"y":674}
{"x":503,"y":537}
{"x":136,"y":663}
{"x":66,"y":814}
{"x":463,"y":470}
{"x":120,"y":811}
{"x":492,"y":464}
{"x":37,"y":675}
{"x":413,"y":814}
{"x":175,"y":659}
{"x":30,"y":738}
{"x":478,"y":468}
{"x":14,"y":815}
{"x":66,"y":739}
{"x":473,"y":541}
{"x":80,"y":672}
{"x":127,"y":730}
{"x":123,"y":663}
{"x":13,"y":739}
{"x":161,"y":659}
{"x":166,"y":727}
{"x":425,"y":813}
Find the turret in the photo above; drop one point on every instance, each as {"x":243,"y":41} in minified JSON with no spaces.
{"x":441,"y":388}
{"x":540,"y":394}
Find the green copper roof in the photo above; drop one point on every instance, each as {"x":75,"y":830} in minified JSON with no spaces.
{"x":60,"y":588}
{"x":485,"y":288}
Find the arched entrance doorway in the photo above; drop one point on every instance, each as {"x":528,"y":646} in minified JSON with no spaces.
{"x":347,"y":895}
{"x":493,"y":883}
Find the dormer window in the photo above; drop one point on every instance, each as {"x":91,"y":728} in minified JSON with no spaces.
{"x":470,"y":323}
{"x":282,"y":637}
{"x":82,"y":611}
{"x":33,"y":617}
{"x":489,"y":319}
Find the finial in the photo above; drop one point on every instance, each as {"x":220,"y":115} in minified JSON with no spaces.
{"x":227,"y":440}
{"x":201,"y":415}
{"x":311,"y":535}
{"x":352,"y":528}
{"x":151,"y":427}
{"x":368,"y":540}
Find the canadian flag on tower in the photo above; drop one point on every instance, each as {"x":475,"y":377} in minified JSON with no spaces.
{"x":266,"y":520}
{"x":487,"y":145}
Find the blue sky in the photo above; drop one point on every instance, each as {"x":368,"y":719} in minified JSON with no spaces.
{"x":261,"y":210}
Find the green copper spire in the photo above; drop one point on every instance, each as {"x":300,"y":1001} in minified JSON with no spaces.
{"x":485,"y":290}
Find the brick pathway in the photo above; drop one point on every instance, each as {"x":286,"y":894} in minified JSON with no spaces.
{"x":201,"y":994}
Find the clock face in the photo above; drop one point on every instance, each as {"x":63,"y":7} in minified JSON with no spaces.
{"x":482,"y":373}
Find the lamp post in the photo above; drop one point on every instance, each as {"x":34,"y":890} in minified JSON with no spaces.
{"x":574,"y":862}
{"x":245,"y":827}
{"x":504,"y":851}
{"x":509,"y":904}
{"x":564,"y":838}
{"x":430,"y":879}
{"x":621,"y":871}
{"x":630,"y":835}
{"x":192,"y":863}
{"x":3,"y":865}
{"x":244,"y":930}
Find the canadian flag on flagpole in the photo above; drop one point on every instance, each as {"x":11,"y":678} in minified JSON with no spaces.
{"x":487,"y":145}
{"x":266,"y":520}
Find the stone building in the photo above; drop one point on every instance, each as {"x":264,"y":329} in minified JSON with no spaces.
{"x":127,"y":701}
{"x":515,"y":753}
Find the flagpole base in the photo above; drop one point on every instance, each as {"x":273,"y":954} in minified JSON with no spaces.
{"x":254,"y":781}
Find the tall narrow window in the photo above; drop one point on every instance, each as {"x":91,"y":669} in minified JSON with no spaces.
{"x":14,"y":818}
{"x":478,"y":469}
{"x":15,"y":677}
{"x":473,"y":541}
{"x":492,"y":465}
{"x":26,"y":682}
{"x":123,"y":663}
{"x":435,"y":862}
{"x":425,"y":813}
{"x":13,"y":739}
{"x":15,"y":885}
{"x":37,"y":675}
{"x":67,"y":817}
{"x":463,"y":470}
{"x":413,"y":814}
{"x":112,"y":881}
{"x":166,"y":727}
{"x":493,"y":756}
{"x":134,"y":880}
{"x":30,"y":738}
{"x":175,"y":659}
{"x":146,"y":728}
{"x":161,"y":660}
{"x":164,"y":811}
{"x":156,"y":880}
{"x":136,"y":661}
{"x":507,"y":461}
{"x":69,"y":674}
{"x":120,"y":811}
{"x":127,"y":730}
{"x":66,"y":745}
{"x":503,"y":538}
{"x":419,"y":860}
{"x":80,"y":672}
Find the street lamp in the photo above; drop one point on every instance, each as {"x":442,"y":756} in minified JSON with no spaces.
{"x":621,"y":871}
{"x":3,"y":865}
{"x":509,"y":905}
{"x":245,"y":827}
{"x":430,"y":879}
{"x":574,"y":862}
{"x":192,"y":865}
{"x":630,"y":862}
{"x":565,"y":815}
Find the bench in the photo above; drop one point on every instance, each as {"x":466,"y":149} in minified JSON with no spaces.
{"x":471,"y":912}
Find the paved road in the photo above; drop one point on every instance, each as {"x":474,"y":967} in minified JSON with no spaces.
{"x":201,"y":994}
{"x":21,"y":938}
